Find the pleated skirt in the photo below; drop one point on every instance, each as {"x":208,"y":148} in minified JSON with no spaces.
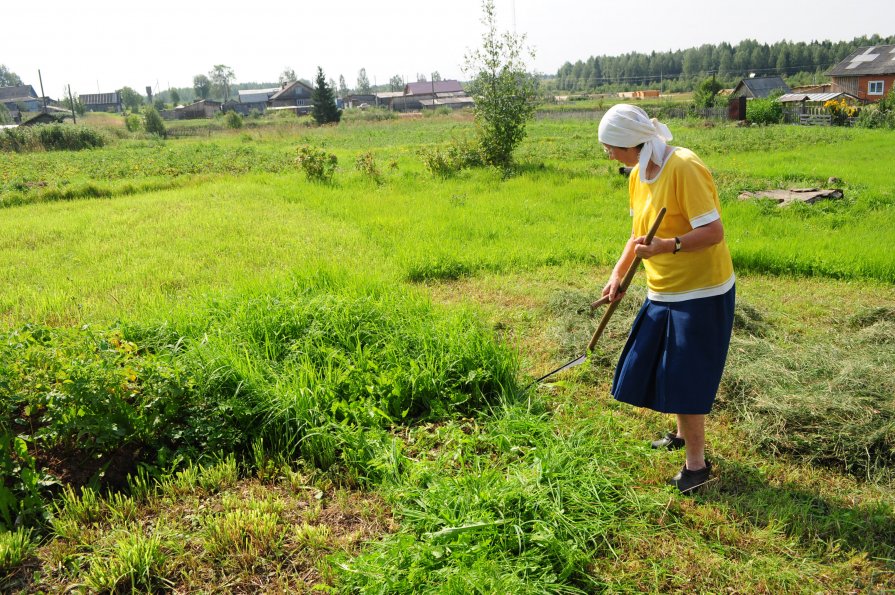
{"x":674,"y":357}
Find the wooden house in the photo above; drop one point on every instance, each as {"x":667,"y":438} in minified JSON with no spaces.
{"x":250,"y":99}
{"x":204,"y":108}
{"x":101,"y":102}
{"x":760,"y":87}
{"x":20,"y":98}
{"x":431,"y":94}
{"x":867,"y":73}
{"x":296,"y":94}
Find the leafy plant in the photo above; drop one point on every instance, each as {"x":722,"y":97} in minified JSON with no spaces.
{"x":133,"y":123}
{"x":233,"y":120}
{"x":764,"y":111}
{"x":366,"y":165}
{"x":319,"y":165}
{"x":153,"y":122}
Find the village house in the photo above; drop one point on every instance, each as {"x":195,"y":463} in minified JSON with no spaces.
{"x":101,"y":102}
{"x":253,"y":99}
{"x":204,"y":108}
{"x":21,"y":98}
{"x":296,"y":95}
{"x":431,"y":94}
{"x":760,"y":87}
{"x":868,"y":73}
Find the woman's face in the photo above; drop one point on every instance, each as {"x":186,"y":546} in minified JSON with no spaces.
{"x":629,"y":156}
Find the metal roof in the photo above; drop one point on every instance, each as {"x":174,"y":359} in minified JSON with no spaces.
{"x":795,"y":97}
{"x":99,"y":98}
{"x":424,"y":88}
{"x":17,"y":93}
{"x":876,"y":59}
{"x":256,"y":95}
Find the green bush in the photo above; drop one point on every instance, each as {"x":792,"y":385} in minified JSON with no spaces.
{"x":459,"y":154}
{"x":233,"y":120}
{"x":872,"y":117}
{"x":133,"y":123}
{"x":319,"y":165}
{"x":153,"y":122}
{"x":366,"y":164}
{"x":50,"y":137}
{"x":764,"y":111}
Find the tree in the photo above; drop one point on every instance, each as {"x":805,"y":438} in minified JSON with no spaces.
{"x":78,"y":108}
{"x":396,"y":83}
{"x":153,"y":122}
{"x":421,"y":78}
{"x":707,"y":92}
{"x":221,"y":76}
{"x":436,"y":76}
{"x":8,"y":78}
{"x":324,"y":101}
{"x":131,"y":99}
{"x":363,"y":83}
{"x":202,"y":85}
{"x":175,"y":97}
{"x":343,"y":88}
{"x":287,"y":76}
{"x":503,"y":90}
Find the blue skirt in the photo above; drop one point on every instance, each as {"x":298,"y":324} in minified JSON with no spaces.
{"x":675,"y":354}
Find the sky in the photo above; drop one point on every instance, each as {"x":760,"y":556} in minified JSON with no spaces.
{"x":101,"y":46}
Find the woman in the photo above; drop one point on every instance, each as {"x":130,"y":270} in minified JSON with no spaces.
{"x":675,"y":354}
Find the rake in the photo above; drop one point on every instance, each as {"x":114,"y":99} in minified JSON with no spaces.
{"x":623,"y":287}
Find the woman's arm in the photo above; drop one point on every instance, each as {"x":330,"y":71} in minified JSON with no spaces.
{"x":698,"y":238}
{"x":618,"y":272}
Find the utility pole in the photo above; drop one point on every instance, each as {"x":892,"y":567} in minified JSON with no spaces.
{"x":43,"y":95}
{"x":71,"y":100}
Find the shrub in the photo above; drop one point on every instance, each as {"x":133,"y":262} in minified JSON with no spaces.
{"x":233,"y":120}
{"x":764,"y":111}
{"x":51,"y":137}
{"x":133,"y":123}
{"x":153,"y":122}
{"x":366,"y":164}
{"x":872,"y":117}
{"x":446,"y":161}
{"x":319,"y":165}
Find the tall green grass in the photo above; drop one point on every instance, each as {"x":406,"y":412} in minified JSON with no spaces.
{"x":316,"y":370}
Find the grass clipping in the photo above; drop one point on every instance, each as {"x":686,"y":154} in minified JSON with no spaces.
{"x":827,"y":401}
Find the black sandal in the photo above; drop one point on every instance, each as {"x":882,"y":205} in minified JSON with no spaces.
{"x":687,"y":480}
{"x":670,"y":441}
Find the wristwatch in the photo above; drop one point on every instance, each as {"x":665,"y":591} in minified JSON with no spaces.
{"x":677,"y":246}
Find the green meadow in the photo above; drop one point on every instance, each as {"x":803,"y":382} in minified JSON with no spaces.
{"x":220,"y":376}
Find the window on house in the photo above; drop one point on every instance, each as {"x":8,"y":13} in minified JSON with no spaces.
{"x":875,"y":88}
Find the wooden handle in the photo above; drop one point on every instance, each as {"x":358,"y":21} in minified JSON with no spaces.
{"x":623,"y":286}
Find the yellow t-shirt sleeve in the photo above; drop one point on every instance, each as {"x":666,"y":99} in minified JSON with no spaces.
{"x":696,"y":194}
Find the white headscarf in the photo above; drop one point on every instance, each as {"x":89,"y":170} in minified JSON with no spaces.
{"x":627,"y":126}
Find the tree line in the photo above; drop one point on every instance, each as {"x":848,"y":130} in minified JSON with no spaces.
{"x":681,"y":70}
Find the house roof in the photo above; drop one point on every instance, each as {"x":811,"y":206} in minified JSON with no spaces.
{"x":875,"y":59}
{"x":815,"y":97}
{"x":290,"y":89}
{"x":761,"y":87}
{"x":427,"y":88}
{"x":99,"y":98}
{"x":17,"y":93}
{"x":256,"y":95}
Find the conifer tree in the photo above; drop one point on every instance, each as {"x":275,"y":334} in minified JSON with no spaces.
{"x":323,"y":98}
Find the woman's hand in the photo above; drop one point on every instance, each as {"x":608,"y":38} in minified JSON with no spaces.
{"x":611,"y":289}
{"x":657,"y":246}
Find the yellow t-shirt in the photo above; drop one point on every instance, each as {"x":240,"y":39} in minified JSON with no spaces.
{"x":685,"y":188}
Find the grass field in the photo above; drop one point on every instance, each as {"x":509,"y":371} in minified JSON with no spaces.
{"x":323,"y":384}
